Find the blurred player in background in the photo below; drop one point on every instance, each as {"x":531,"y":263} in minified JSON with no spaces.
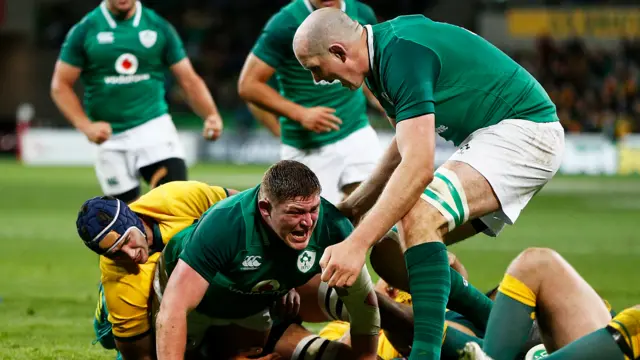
{"x":575,"y":323}
{"x":323,"y":125}
{"x":129,"y":240}
{"x":509,"y":139}
{"x":244,"y":254}
{"x":121,"y":51}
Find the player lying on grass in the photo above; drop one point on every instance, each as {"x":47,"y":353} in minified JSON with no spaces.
{"x":574,"y":321}
{"x":129,"y":239}
{"x":247,"y":252}
{"x":509,"y":140}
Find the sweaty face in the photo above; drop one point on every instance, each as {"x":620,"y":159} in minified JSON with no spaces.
{"x":133,"y":248}
{"x":333,"y":67}
{"x":122,"y":6}
{"x":294,"y":220}
{"x":319,"y":4}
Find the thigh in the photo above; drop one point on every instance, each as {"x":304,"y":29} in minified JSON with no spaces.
{"x":567,"y":307}
{"x":361,"y":151}
{"x":115,"y":173}
{"x":516,"y":158}
{"x":324,"y":162}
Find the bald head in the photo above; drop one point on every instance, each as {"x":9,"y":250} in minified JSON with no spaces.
{"x":323,"y":28}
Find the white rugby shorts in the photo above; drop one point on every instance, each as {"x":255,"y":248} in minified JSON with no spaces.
{"x":517,"y":157}
{"x":347,"y":161}
{"x":119,"y":158}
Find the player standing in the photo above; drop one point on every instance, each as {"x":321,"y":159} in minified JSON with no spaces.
{"x":121,"y":51}
{"x":323,"y":125}
{"x":504,"y":123}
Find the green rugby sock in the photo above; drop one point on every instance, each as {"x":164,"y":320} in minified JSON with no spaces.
{"x":429,"y":282}
{"x":468,"y":301}
{"x":510,"y":321}
{"x":454,"y":341}
{"x":596,"y":346}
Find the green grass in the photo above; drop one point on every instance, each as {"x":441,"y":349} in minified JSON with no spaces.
{"x":48,"y":278}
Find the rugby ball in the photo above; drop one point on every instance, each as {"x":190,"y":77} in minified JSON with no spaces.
{"x":536,"y":353}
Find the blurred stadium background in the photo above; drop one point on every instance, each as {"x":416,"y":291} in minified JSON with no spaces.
{"x":586,"y":54}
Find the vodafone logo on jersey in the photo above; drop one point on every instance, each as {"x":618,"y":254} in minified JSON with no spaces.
{"x":127,"y":64}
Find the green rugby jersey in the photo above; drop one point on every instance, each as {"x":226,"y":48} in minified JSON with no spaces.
{"x":420,"y":66}
{"x":123,"y":64}
{"x":274,"y":47}
{"x":247,"y":265}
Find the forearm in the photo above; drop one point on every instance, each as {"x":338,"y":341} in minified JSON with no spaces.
{"x":364,"y":346}
{"x":141,"y":349}
{"x":267,"y":98}
{"x":171,"y":334}
{"x":269,"y":120}
{"x":366,"y":195}
{"x":69,"y":105}
{"x":364,"y":315}
{"x":200,"y":98}
{"x":402,"y":191}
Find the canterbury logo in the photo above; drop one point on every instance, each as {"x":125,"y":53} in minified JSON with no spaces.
{"x":251,"y":262}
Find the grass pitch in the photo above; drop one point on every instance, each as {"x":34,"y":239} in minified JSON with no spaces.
{"x":48,"y":279}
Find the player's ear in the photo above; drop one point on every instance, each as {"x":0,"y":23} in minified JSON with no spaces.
{"x":265,"y":207}
{"x":338,"y":51}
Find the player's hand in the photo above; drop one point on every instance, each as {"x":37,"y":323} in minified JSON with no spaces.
{"x":320,"y":119}
{"x":97,"y":132}
{"x":212,"y":127}
{"x":253,"y":353}
{"x":341,"y":263}
{"x":289,"y":304}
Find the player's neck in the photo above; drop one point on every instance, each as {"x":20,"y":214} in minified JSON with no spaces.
{"x":120,"y":15}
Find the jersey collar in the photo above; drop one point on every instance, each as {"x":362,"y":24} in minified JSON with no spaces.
{"x":310,"y":7}
{"x":112,"y":21}
{"x":371,"y":49}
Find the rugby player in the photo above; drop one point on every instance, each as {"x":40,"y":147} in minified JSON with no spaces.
{"x":129,"y":239}
{"x":245,"y":253}
{"x":321,"y":124}
{"x":575,"y":323}
{"x":434,"y":78}
{"x":121,"y":51}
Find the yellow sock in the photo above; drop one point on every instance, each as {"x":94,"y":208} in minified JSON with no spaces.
{"x":517,"y":290}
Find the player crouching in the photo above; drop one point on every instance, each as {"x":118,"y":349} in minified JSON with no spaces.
{"x":129,"y":239}
{"x":244,"y":254}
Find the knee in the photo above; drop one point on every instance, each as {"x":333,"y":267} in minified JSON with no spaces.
{"x":533,"y":263}
{"x":423,"y":223}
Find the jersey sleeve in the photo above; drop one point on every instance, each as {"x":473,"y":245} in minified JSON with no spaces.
{"x":274,"y":45}
{"x":174,"y":50}
{"x":409,"y":77}
{"x":127,"y":297}
{"x":367,"y":14}
{"x":212,"y":245}
{"x":72,"y":50}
